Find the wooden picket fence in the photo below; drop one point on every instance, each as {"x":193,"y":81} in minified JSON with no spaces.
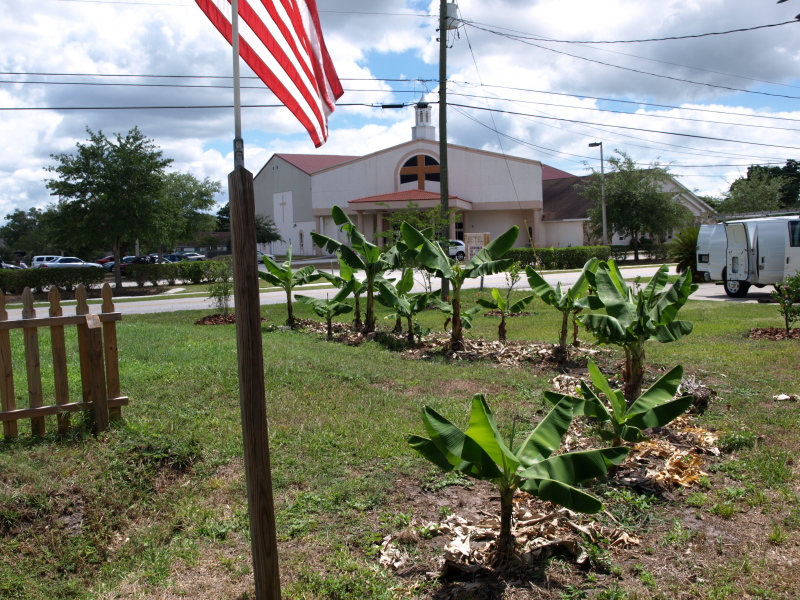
{"x":99,"y":363}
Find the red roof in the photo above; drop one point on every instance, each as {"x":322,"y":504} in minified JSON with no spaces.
{"x":311,"y":163}
{"x":402,"y":196}
{"x":549,"y":172}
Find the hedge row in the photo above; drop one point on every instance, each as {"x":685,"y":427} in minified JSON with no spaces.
{"x":184,"y":272}
{"x":573,"y":257}
{"x":650,"y":251}
{"x":13,"y":281}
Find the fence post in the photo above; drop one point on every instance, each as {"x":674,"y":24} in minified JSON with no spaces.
{"x":32,"y":364}
{"x":94,"y":338}
{"x":82,"y":308}
{"x":59,"y":359}
{"x":111,"y":353}
{"x":7,"y":400}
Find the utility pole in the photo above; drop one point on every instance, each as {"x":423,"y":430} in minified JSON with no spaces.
{"x":602,"y":190}
{"x":443,"y":174}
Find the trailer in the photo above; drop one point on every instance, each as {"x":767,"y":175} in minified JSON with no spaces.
{"x":749,"y":252}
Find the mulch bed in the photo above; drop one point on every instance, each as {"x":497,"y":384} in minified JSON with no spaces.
{"x":773,"y":333}
{"x":220,"y":319}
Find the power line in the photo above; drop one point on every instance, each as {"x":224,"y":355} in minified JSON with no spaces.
{"x":638,"y":103}
{"x":639,"y":71}
{"x":664,"y":39}
{"x":702,"y":137}
{"x":650,"y":59}
{"x":622,"y":112}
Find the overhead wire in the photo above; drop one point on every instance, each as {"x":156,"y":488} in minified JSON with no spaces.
{"x":638,"y":71}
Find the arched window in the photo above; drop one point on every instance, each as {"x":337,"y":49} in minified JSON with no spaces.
{"x":420,"y":168}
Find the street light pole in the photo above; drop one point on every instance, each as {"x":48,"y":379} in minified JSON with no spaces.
{"x":602,"y":190}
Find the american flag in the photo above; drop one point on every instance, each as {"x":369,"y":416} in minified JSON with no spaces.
{"x":281,"y":40}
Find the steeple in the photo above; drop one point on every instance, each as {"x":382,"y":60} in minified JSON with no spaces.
{"x":423,"y":129}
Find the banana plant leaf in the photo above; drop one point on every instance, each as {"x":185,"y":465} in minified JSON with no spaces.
{"x":563,"y":495}
{"x":574,"y":467}
{"x":546,"y":437}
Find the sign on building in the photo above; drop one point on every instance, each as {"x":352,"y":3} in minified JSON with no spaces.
{"x":475,"y":242}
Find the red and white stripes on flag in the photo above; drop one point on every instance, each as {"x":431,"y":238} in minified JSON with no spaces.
{"x":281,"y":40}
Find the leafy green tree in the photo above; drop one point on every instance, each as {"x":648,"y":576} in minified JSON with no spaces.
{"x":224,"y":218}
{"x":430,"y":218}
{"x":637,"y":204}
{"x":790,"y":176}
{"x":565,"y":302}
{"x":328,"y":308}
{"x":361,"y":255}
{"x":283,"y":277}
{"x":634,"y":317}
{"x":23,"y":231}
{"x":759,"y":191}
{"x":657,"y":407}
{"x":266,"y":230}
{"x":434,"y":258}
{"x":181,"y":210}
{"x":481,"y":453}
{"x":108,"y":190}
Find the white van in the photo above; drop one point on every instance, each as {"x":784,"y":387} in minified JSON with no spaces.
{"x":762,"y":251}
{"x":38,"y":261}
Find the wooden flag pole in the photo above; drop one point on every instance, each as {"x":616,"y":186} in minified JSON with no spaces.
{"x":252,"y":401}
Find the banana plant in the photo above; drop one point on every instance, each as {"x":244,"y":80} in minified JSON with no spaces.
{"x":399,"y":298}
{"x":504,"y":307}
{"x":480,"y":453}
{"x":329,"y":307}
{"x":347,"y":275}
{"x":283,"y":277}
{"x":657,"y":407}
{"x":564,"y":302}
{"x":634,"y":317}
{"x":360,"y":255}
{"x":434,"y":259}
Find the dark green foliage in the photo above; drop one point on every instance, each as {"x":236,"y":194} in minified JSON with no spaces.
{"x":13,"y":281}
{"x":683,"y":249}
{"x":558,"y":258}
{"x":787,"y":295}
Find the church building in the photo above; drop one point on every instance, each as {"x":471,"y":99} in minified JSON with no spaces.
{"x":490,"y":191}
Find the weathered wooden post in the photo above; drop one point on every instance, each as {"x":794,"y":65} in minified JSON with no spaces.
{"x":251,"y":386}
{"x":111,"y":353}
{"x":7,"y":400}
{"x":59,"y":359}
{"x":32,"y":364}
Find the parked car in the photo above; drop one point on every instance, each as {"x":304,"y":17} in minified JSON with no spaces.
{"x":457,"y":249}
{"x":260,"y":256}
{"x":193,"y":256}
{"x":68,"y":262}
{"x":109,"y":266}
{"x":38,"y":261}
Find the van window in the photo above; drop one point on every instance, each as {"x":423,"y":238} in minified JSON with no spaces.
{"x":794,"y":234}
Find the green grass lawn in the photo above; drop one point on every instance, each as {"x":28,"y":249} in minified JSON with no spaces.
{"x":156,"y":507}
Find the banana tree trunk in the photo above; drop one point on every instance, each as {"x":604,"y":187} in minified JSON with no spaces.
{"x":330,"y":327}
{"x":457,"y":330}
{"x":501,"y":330}
{"x":633,"y":374}
{"x":290,"y":311}
{"x":398,"y":326}
{"x":357,"y":320}
{"x":575,"y":341}
{"x":410,"y":329}
{"x":505,"y":541}
{"x":369,"y":321}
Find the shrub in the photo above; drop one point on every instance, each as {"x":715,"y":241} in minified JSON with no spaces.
{"x":573,"y":257}
{"x":221,"y":290}
{"x":14,"y":281}
{"x":787,"y":295}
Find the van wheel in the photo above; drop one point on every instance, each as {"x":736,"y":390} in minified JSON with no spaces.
{"x":459,"y":255}
{"x":735,"y":288}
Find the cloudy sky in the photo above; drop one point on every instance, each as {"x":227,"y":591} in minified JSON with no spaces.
{"x":709,"y":106}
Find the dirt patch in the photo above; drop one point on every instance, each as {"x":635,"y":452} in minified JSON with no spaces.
{"x":773,"y":333}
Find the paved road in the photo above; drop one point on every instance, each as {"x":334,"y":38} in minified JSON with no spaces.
{"x":176,"y":302}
